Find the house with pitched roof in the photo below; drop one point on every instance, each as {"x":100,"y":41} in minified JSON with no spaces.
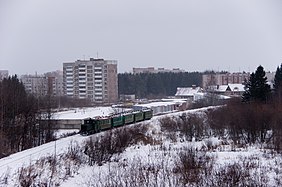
{"x":188,"y":93}
{"x":232,"y":90}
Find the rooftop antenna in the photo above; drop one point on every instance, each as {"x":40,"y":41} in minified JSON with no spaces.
{"x":97,"y":55}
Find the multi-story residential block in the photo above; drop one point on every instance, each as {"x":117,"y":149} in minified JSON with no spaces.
{"x":4,"y":74}
{"x":95,"y":79}
{"x":230,"y":78}
{"x":35,"y":84}
{"x":55,"y":83}
{"x":50,"y":83}
{"x":144,"y":70}
{"x":224,"y":79}
{"x":153,"y":70}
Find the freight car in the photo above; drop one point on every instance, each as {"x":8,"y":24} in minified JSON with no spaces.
{"x":98,"y":124}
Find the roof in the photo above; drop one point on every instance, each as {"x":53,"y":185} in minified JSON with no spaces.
{"x":237,"y":87}
{"x":229,"y":87}
{"x":188,"y":91}
{"x":155,"y":104}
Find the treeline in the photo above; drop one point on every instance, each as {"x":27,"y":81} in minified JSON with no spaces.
{"x":19,"y":115}
{"x":154,"y":85}
{"x":256,"y":118}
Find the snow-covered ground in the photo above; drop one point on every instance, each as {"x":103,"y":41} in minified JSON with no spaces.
{"x":81,"y":113}
{"x":157,"y":160}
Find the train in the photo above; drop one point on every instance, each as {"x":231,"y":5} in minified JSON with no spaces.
{"x":94,"y":125}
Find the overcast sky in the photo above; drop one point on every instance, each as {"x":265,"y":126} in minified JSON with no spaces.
{"x":194,"y":35}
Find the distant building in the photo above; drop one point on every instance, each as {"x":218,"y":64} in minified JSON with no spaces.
{"x":4,"y":74}
{"x":127,"y":97}
{"x":35,"y":84}
{"x":55,"y":83}
{"x":158,"y":107}
{"x":224,"y":79}
{"x":153,"y":70}
{"x":228,"y":90}
{"x":270,"y":76}
{"x":143,"y":70}
{"x":95,"y":79}
{"x":41,"y":85}
{"x":188,"y":93}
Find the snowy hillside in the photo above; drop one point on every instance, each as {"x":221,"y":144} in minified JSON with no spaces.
{"x":84,"y":113}
{"x":157,"y":153}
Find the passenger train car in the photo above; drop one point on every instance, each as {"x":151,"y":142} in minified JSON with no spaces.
{"x":98,"y":124}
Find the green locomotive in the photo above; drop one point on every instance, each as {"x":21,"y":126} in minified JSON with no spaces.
{"x":98,"y":124}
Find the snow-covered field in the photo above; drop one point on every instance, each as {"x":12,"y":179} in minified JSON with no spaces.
{"x":81,"y":113}
{"x":147,"y":164}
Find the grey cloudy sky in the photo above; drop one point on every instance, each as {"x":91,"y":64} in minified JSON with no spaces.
{"x":195,"y":35}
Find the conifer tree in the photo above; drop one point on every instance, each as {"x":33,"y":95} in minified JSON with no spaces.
{"x":278,"y":79}
{"x":257,"y":88}
{"x":278,"y":83}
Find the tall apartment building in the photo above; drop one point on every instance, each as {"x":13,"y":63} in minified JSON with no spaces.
{"x":4,"y":74}
{"x":95,"y":79}
{"x":224,"y":79}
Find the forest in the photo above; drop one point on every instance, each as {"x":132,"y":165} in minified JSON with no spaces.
{"x":20,"y":114}
{"x":156,"y":85}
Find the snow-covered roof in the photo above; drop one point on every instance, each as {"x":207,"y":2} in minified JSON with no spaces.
{"x":155,"y":104}
{"x":188,"y":91}
{"x":174,"y":100}
{"x":229,"y":87}
{"x":236,"y":87}
{"x":222,"y":88}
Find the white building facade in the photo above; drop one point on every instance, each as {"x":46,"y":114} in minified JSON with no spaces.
{"x":224,"y":79}
{"x":94,"y":79}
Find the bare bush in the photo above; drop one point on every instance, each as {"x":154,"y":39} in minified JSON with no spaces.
{"x":169,"y":124}
{"x":113,"y":142}
{"x":4,"y":178}
{"x":243,"y":123}
{"x":231,"y":175}
{"x":27,"y":176}
{"x":193,"y":126}
{"x":191,"y":166}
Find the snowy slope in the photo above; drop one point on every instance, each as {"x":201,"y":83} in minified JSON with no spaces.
{"x":81,"y":113}
{"x":160,"y":156}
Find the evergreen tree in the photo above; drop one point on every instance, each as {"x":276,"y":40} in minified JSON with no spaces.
{"x":257,"y":89}
{"x":278,"y":79}
{"x":278,"y":83}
